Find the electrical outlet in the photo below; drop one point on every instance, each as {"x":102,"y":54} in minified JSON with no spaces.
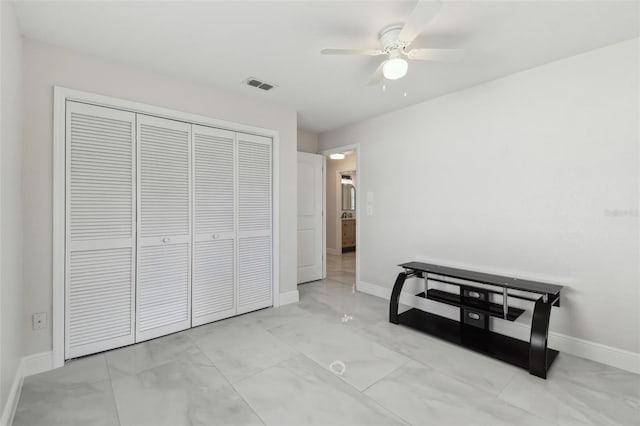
{"x":39,"y":320}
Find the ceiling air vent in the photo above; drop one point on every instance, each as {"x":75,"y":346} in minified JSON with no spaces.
{"x":258,"y":84}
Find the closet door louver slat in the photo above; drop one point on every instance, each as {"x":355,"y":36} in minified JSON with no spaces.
{"x":163,"y":296}
{"x":100,"y":229}
{"x":213,"y":283}
{"x":254,"y":286}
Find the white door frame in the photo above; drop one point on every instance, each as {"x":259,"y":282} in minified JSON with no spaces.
{"x":60,"y":96}
{"x":358,"y":169}
{"x":324,"y":217}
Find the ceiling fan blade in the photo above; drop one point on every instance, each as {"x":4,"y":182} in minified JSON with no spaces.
{"x":439,"y":55}
{"x":418,"y":20}
{"x":365,"y":52}
{"x":377,"y":75}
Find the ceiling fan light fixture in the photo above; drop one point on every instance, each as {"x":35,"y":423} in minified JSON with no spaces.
{"x":395,"y":68}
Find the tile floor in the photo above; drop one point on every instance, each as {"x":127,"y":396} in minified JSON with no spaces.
{"x":273,"y":367}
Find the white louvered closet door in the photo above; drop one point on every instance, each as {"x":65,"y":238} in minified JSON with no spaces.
{"x":100,"y":229}
{"x":163,"y":287}
{"x":254,"y":223}
{"x":213,"y":279}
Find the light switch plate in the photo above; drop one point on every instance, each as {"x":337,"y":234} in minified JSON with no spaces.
{"x":369,"y":196}
{"x":39,"y":321}
{"x":369,"y":210}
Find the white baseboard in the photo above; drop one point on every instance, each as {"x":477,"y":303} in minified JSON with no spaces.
{"x":619,"y":358}
{"x":10,"y":406}
{"x":37,"y":363}
{"x":28,"y":365}
{"x":334,"y":252}
{"x":289,"y":297}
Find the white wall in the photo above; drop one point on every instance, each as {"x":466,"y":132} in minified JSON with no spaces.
{"x":46,"y":66}
{"x":307,"y":141}
{"x":334,"y":200}
{"x":11,"y":318}
{"x":534,"y":175}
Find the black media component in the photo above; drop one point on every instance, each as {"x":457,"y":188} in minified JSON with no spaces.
{"x":478,"y":304}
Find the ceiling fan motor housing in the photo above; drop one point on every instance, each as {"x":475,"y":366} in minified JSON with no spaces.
{"x":389,"y":38}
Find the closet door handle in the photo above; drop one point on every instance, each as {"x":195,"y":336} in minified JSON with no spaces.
{"x":166,"y":240}
{"x":216,"y":236}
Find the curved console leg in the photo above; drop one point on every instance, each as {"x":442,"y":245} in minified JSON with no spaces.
{"x":539,"y":338}
{"x":395,"y":297}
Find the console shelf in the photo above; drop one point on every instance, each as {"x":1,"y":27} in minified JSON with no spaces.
{"x":487,"y":308}
{"x":473,"y":331}
{"x":495,"y":345}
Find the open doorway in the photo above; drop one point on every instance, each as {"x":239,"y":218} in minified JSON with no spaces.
{"x":328,"y":218}
{"x":341,"y":216}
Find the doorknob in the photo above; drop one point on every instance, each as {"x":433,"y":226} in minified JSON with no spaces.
{"x":216,"y":236}
{"x":166,"y":240}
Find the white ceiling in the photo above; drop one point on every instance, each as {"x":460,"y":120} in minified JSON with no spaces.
{"x":222,"y":43}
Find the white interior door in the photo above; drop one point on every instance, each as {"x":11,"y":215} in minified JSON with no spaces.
{"x":254,"y":265}
{"x":213,"y":279}
{"x":163,"y":287}
{"x":100,"y":229}
{"x":310,"y":229}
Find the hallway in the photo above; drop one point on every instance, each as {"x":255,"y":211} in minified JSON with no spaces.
{"x":342,"y":268}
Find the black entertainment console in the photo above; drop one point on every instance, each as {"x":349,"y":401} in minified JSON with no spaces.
{"x":476,"y":307}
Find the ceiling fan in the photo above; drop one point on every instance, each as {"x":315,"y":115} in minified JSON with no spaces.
{"x":395,"y":41}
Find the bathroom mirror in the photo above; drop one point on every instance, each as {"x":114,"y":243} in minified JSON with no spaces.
{"x":348,"y":180}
